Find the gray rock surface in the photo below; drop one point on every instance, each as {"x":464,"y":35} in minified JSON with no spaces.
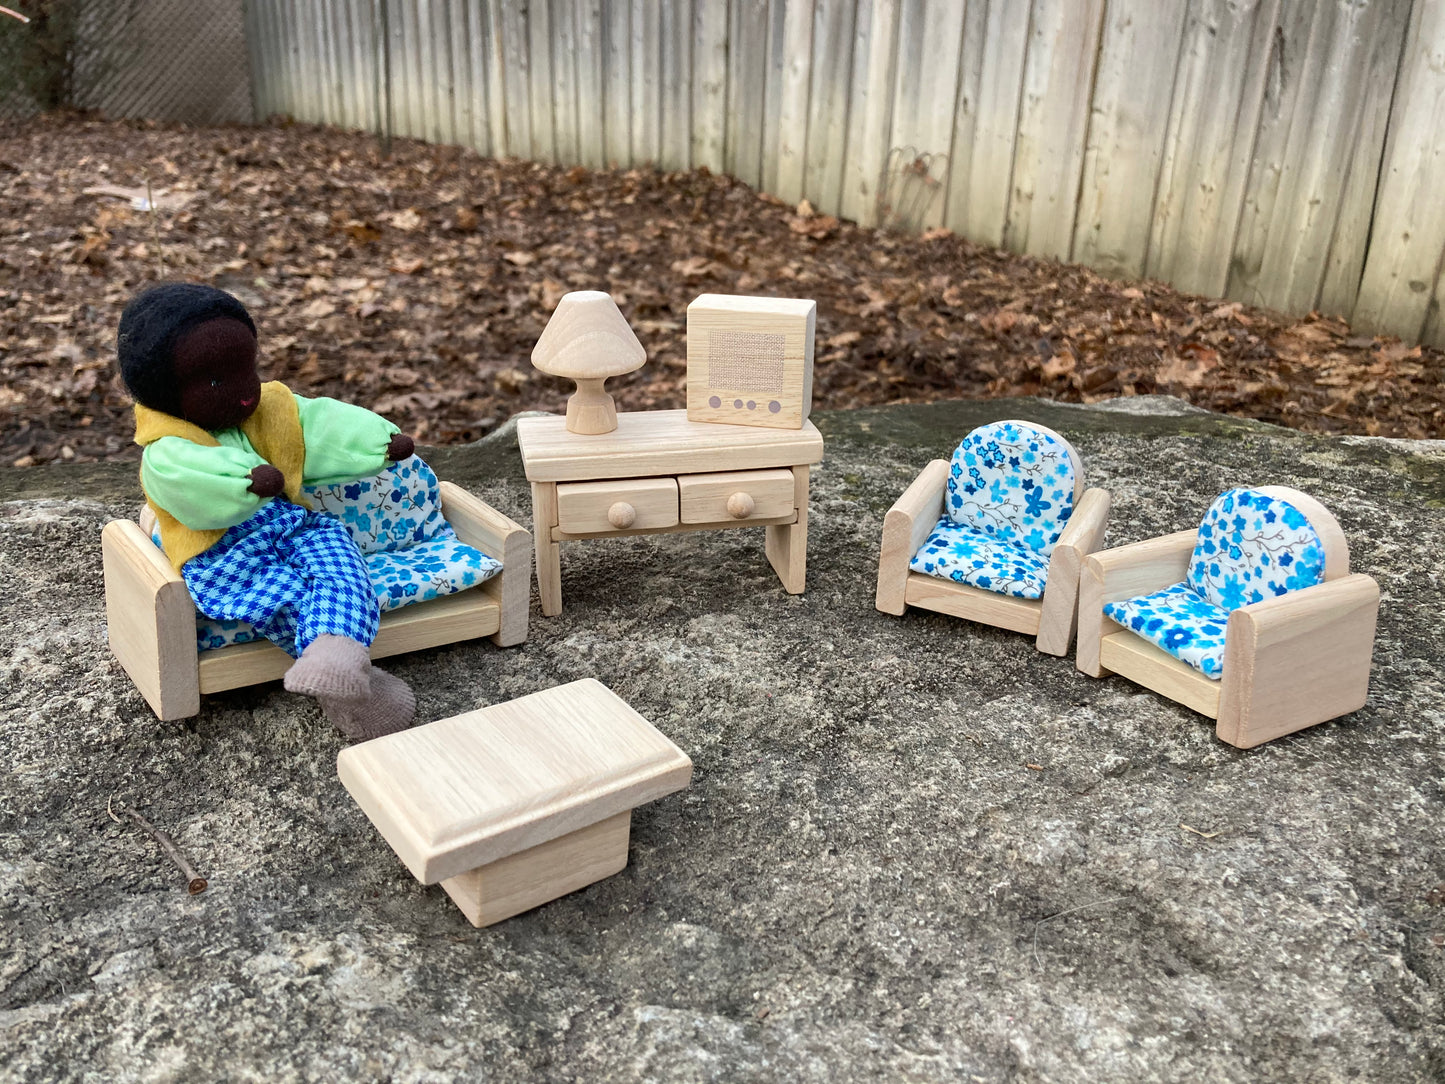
{"x":915,"y":849}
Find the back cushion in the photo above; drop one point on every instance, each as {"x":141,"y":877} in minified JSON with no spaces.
{"x":397,"y":508}
{"x":1014,"y":482}
{"x":1253,"y":546}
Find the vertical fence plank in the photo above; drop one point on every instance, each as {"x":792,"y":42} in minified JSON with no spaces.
{"x":539,"y":48}
{"x":930,"y":34}
{"x":965,"y":118}
{"x":1053,"y":126}
{"x":332,"y":108}
{"x":260,"y":39}
{"x":646,"y":82}
{"x":459,"y":35}
{"x":496,"y":62}
{"x":832,"y":75}
{"x":850,"y":197}
{"x":792,"y":147}
{"x":709,"y":84}
{"x":675,"y":36}
{"x":996,"y":120}
{"x":473,"y":54}
{"x":347,"y":78}
{"x":1138,"y":57}
{"x":405,"y":108}
{"x":747,"y":87}
{"x":445,"y":98}
{"x":590,"y":95}
{"x":617,"y":70}
{"x":359,"y":46}
{"x":1215,"y":110}
{"x":564,"y":80}
{"x":772,"y":94}
{"x":1401,"y":288}
{"x":1346,"y":265}
{"x":873,"y":106}
{"x":302,"y":68}
{"x":517,"y":78}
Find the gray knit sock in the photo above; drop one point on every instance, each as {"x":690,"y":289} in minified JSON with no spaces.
{"x":390,"y":707}
{"x":334,"y":667}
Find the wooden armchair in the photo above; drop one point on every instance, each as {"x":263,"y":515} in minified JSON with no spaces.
{"x":1259,"y":600}
{"x":152,"y":622}
{"x":997,"y":535}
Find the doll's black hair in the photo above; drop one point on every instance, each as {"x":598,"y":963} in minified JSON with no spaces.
{"x":149,"y":328}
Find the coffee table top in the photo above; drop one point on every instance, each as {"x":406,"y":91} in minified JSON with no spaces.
{"x":653,"y":442}
{"x":463,"y":792}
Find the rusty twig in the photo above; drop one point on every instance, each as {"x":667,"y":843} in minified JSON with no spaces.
{"x":194,"y":881}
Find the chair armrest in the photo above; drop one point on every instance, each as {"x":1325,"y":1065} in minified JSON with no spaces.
{"x":905,"y":528}
{"x":150,"y":621}
{"x":1082,"y":536}
{"x":480,"y":525}
{"x":1126,"y":572}
{"x":1141,"y":568}
{"x":1297,"y":660}
{"x":1086,"y":527}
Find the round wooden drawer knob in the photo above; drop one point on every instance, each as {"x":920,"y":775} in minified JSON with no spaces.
{"x":622,"y":515}
{"x":740,"y":505}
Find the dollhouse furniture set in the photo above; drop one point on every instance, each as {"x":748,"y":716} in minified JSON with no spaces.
{"x":1253,"y":619}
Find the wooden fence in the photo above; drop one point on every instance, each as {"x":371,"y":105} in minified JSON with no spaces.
{"x":1289,"y":153}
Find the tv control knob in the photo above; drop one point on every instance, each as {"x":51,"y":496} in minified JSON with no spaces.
{"x":740,"y":505}
{"x":622,"y":515}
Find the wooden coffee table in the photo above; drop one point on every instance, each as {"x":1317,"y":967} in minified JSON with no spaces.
{"x":516,"y":804}
{"x":658,"y":473}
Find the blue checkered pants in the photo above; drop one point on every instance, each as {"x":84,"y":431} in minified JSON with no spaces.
{"x":293,"y":573}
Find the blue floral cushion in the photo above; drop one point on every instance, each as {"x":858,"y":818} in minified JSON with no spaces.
{"x":964,"y":555}
{"x":1014,"y":482}
{"x":443,"y":566}
{"x":397,"y":508}
{"x":1183,"y":623}
{"x":1253,"y":546}
{"x":411,"y":552}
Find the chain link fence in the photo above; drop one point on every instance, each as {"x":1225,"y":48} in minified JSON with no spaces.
{"x":171,"y":60}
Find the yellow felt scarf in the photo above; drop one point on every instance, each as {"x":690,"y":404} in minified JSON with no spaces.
{"x":274,"y":430}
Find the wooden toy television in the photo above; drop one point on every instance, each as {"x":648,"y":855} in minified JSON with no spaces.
{"x":750,"y":360}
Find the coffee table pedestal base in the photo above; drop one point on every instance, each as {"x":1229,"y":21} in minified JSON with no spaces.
{"x":542,"y":873}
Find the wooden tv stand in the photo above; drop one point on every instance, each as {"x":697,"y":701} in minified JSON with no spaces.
{"x":656,"y":473}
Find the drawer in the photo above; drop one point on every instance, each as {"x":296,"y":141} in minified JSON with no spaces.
{"x":735,"y":496}
{"x":626,"y":504}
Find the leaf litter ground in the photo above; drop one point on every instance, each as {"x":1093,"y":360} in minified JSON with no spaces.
{"x":417,"y":284}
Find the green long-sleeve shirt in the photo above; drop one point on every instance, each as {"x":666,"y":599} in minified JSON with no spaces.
{"x":208,"y":488}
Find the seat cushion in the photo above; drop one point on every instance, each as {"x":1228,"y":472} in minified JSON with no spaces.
{"x":420,"y":573}
{"x":964,"y":555}
{"x":1253,"y":546}
{"x":1014,"y":482}
{"x":1179,"y":620}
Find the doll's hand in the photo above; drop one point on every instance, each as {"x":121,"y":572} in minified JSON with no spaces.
{"x":400,"y":447}
{"x":266,"y":481}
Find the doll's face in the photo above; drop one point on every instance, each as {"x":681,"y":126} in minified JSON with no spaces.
{"x":215,"y":365}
